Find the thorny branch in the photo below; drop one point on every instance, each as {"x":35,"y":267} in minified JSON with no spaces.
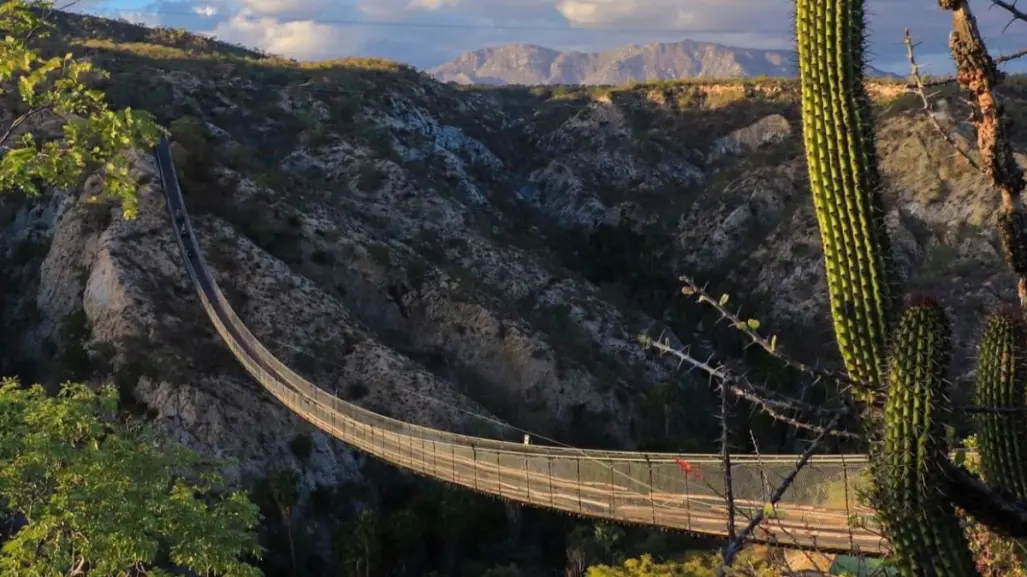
{"x":1016,"y":14}
{"x":765,"y":398}
{"x":919,"y":89}
{"x":725,"y":458}
{"x":999,"y":60}
{"x":769,"y":345}
{"x":764,"y":481}
{"x":772,"y":404}
{"x":736,"y":544}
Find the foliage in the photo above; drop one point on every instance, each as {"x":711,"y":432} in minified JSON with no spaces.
{"x":362,"y":550}
{"x":109,"y":496}
{"x":284,"y":485}
{"x":53,"y":93}
{"x":694,"y":565}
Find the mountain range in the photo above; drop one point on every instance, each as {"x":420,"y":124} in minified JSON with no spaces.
{"x":529,"y":64}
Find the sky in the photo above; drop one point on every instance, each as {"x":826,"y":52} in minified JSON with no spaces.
{"x":425,"y":33}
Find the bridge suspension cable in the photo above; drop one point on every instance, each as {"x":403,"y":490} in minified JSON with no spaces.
{"x":676,"y":491}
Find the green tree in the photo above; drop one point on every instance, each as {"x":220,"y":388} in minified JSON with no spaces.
{"x":404,"y":534}
{"x":107,"y":497}
{"x":359,"y":544}
{"x":284,"y":484}
{"x":79,"y":135}
{"x":456,"y":513}
{"x":606,"y":536}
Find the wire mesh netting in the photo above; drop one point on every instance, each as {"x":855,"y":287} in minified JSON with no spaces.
{"x":680,"y":491}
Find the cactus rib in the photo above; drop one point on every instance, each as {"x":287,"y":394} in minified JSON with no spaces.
{"x":839,"y":140}
{"x":921,"y":523}
{"x":1002,"y":383}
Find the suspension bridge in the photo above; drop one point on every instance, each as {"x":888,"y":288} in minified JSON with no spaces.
{"x":683,"y":492}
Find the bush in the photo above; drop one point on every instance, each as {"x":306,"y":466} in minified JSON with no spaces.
{"x":107,"y":495}
{"x":694,"y":565}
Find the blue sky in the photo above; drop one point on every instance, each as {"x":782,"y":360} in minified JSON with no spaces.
{"x":428,"y":32}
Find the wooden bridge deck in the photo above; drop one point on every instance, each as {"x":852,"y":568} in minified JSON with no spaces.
{"x":644,"y":488}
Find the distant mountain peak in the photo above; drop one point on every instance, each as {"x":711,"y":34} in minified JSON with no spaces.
{"x":533,"y":64}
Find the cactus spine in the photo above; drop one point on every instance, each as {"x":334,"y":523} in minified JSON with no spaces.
{"x":1002,"y":383}
{"x":839,"y":140}
{"x":922,"y":524}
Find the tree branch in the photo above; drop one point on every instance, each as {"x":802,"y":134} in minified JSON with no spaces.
{"x":768,"y":345}
{"x":725,"y":459}
{"x":738,"y":542}
{"x":1002,"y":514}
{"x":1015,"y":12}
{"x":919,"y":89}
{"x":770,"y":403}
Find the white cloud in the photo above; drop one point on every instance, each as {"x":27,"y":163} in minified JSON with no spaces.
{"x":206,"y":10}
{"x":287,"y":8}
{"x":302,"y":39}
{"x":330,"y":28}
{"x":432,"y":4}
{"x":143,"y":18}
{"x":626,"y":12}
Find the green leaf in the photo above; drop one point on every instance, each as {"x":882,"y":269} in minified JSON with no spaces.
{"x":95,"y":138}
{"x":723,"y":299}
{"x":773,"y":343}
{"x":109,"y":494}
{"x":753,"y":324}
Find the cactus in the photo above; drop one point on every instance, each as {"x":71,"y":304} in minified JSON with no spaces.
{"x":925,"y":532}
{"x":909,"y":467}
{"x":1002,"y":383}
{"x":838,"y":132}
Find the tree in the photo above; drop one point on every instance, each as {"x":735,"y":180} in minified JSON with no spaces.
{"x":404,"y":533}
{"x":52,"y":93}
{"x":358,"y":544}
{"x":95,"y":495}
{"x":284,"y":484}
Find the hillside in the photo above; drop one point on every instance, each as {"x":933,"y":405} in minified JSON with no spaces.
{"x":528,"y":64}
{"x":458,"y":256}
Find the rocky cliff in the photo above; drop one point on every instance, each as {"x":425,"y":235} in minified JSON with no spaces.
{"x":455,"y":257}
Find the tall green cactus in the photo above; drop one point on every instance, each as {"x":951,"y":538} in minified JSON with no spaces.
{"x":924,"y":530}
{"x":909,"y":465}
{"x":838,"y":130}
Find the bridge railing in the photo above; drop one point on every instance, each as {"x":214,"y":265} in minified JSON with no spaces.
{"x":683,"y":491}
